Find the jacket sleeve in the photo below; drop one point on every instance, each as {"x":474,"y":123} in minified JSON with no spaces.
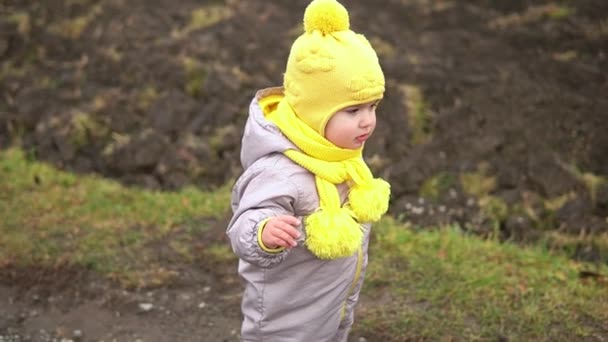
{"x":256,"y":196}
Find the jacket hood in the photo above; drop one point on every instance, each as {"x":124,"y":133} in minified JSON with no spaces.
{"x":262,"y":137}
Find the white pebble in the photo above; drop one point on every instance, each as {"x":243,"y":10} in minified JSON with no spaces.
{"x":146,"y":307}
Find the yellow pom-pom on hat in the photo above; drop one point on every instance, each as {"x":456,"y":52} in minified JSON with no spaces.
{"x":326,"y":16}
{"x":330,"y":67}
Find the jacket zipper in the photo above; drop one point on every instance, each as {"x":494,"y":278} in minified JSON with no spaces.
{"x":355,"y":280}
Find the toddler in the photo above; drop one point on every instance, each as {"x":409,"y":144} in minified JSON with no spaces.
{"x":304,"y":203}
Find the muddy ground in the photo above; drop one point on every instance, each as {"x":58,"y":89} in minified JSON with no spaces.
{"x":71,"y":303}
{"x":495,"y":115}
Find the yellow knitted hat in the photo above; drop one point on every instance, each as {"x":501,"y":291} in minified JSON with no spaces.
{"x":330,"y":67}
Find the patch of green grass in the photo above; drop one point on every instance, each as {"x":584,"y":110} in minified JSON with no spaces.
{"x":54,"y":217}
{"x":23,"y":22}
{"x":478,"y":183}
{"x":444,"y":285}
{"x":195,"y":76}
{"x":565,"y":56}
{"x":146,"y":97}
{"x":595,"y":244}
{"x":217,"y":140}
{"x":591,"y":181}
{"x":419,"y":115}
{"x":560,"y":12}
{"x":435,"y":186}
{"x":533,"y":14}
{"x":74,"y":27}
{"x":220,"y":253}
{"x":85,"y":127}
{"x":497,"y":210}
{"x":203,"y":17}
{"x":208,"y":15}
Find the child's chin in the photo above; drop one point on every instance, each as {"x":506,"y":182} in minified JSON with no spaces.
{"x":354,"y":146}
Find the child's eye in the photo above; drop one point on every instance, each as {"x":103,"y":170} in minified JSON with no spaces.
{"x":352,"y":110}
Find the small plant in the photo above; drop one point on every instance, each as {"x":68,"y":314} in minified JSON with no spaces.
{"x":204,"y":17}
{"x":73,"y":28}
{"x":84,"y":128}
{"x":496,"y":210}
{"x":195,"y":76}
{"x":418,"y":114}
{"x":435,"y":186}
{"x":559,"y":12}
{"x":478,"y":183}
{"x":146,"y":97}
{"x":23,"y":22}
{"x":591,"y":181}
{"x":220,"y":135}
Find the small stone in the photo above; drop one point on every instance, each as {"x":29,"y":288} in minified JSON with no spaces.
{"x":470,"y":202}
{"x":145,"y":307}
{"x":418,"y":210}
{"x":202,"y":305}
{"x":453,"y":194}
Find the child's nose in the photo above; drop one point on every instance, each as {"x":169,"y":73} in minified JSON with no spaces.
{"x":368,"y":118}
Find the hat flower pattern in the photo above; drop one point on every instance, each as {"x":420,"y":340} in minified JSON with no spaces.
{"x":365,"y":86}
{"x":314,"y":58}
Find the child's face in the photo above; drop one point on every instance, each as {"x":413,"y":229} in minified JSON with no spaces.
{"x":350,"y":127}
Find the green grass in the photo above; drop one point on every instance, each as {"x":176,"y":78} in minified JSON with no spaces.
{"x":52,"y":217}
{"x":445,"y":285}
{"x":435,"y":285}
{"x":419,"y":116}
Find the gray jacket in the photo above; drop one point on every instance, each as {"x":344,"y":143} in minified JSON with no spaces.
{"x":290,"y":296}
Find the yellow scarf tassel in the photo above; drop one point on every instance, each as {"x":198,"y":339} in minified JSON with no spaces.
{"x":333,"y":231}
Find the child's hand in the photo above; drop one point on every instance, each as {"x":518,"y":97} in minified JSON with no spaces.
{"x":281,"y":231}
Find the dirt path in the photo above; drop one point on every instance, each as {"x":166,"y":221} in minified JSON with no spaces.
{"x":67,"y":303}
{"x":64,"y":305}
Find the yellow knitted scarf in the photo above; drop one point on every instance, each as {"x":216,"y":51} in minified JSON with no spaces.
{"x":333,"y":231}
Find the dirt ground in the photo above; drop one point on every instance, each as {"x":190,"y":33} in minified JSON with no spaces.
{"x":155,"y":93}
{"x":74,"y":305}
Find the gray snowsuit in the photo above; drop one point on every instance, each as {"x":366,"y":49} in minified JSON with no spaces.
{"x":291,"y":295}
